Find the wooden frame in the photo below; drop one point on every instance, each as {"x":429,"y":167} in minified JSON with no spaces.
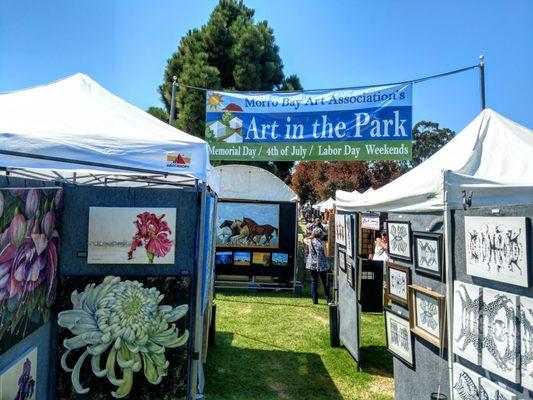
{"x":439,"y":299}
{"x":391,"y":240}
{"x":407,"y":271}
{"x":436,"y":237}
{"x":410,"y":362}
{"x":342,"y":260}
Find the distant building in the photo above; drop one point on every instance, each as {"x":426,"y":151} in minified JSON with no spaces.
{"x":218,"y":129}
{"x":235,"y":123}
{"x":235,"y":138}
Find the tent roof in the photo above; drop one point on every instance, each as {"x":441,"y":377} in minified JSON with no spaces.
{"x":78,"y":120}
{"x":244,"y":182}
{"x":490,"y":157}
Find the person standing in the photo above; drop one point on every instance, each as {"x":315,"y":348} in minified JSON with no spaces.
{"x":317,"y":264}
{"x":381,"y":247}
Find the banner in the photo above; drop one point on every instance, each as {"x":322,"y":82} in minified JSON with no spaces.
{"x":370,"y":221}
{"x":348,"y":124}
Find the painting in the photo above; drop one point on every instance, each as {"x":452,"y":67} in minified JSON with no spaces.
{"x":489,"y":390}
{"x":349,"y":239}
{"x":526,"y":343}
{"x":467,"y":305}
{"x":128,"y":235}
{"x":398,"y":280}
{"x":399,"y":240}
{"x":500,"y":347}
{"x":19,"y":381}
{"x":242,"y":258}
{"x":465,"y":383}
{"x":29,"y":251}
{"x":280,"y":259}
{"x":350,"y":271}
{"x":262,"y":259}
{"x":224,"y":258}
{"x":342,"y":261}
{"x":399,"y":337}
{"x":340,"y":230}
{"x":496,"y":249}
{"x":251,"y":225}
{"x":428,"y":254}
{"x":426,"y":309}
{"x":123,"y":337}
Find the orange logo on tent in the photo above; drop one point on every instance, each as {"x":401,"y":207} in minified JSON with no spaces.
{"x":178,"y":160}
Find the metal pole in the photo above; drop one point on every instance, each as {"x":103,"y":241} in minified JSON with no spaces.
{"x":482,"y":80}
{"x":173,"y":101}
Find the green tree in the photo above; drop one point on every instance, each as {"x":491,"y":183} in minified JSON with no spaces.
{"x":159,"y":113}
{"x":428,"y":138}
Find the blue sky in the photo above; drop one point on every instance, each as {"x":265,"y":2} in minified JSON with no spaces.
{"x":124,"y":46}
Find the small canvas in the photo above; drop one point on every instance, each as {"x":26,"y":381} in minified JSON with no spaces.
{"x":262,"y":259}
{"x":500,"y":352}
{"x":223,"y":258}
{"x":496,"y":249}
{"x":467,"y":321}
{"x":349,"y":239}
{"x":19,"y":381}
{"x":399,"y":338}
{"x":242,"y":258}
{"x":280,"y":259}
{"x":340,"y":230}
{"x":399,"y":239}
{"x":526,"y":345}
{"x":465,"y":383}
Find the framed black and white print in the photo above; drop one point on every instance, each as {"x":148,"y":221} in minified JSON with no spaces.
{"x":399,"y":233}
{"x":342,"y":261}
{"x":399,"y":337}
{"x":428,"y":258}
{"x":349,"y":238}
{"x":398,"y":280}
{"x":350,"y":272}
{"x":426,"y":314}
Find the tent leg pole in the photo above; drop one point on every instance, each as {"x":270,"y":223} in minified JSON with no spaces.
{"x":448,"y":255}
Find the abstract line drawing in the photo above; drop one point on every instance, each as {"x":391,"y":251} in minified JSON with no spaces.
{"x":500,"y":345}
{"x":399,"y":338}
{"x":426,"y":309}
{"x":428,"y":253}
{"x":526,"y":345}
{"x":489,"y":390}
{"x":466,"y":322}
{"x":465,"y":383}
{"x":398,"y":280}
{"x":496,"y":249}
{"x":340,"y":230}
{"x":399,"y":239}
{"x":428,"y":314}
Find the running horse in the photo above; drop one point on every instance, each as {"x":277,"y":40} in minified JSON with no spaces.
{"x":256,"y":230}
{"x":236,"y":230}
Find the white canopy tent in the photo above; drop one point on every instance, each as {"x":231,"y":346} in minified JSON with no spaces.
{"x":75,"y":130}
{"x":245,"y":182}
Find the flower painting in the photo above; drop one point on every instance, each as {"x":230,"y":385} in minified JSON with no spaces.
{"x":123,"y":235}
{"x":18,"y":382}
{"x":123,"y":337}
{"x":29,"y":248}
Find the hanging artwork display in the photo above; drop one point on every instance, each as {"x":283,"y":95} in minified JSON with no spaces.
{"x":526,"y":345}
{"x":19,"y":381}
{"x":342,"y":261}
{"x":489,"y":390}
{"x":399,"y":240}
{"x":501,"y":350}
{"x":340,"y":229}
{"x":133,"y":341}
{"x":467,"y":307}
{"x":128,"y":235}
{"x":349,"y":239}
{"x":29,"y":250}
{"x":399,"y":337}
{"x":426,"y":310}
{"x":350,"y":272}
{"x":280,"y":259}
{"x":465,"y":383}
{"x":252,"y":225}
{"x":224,"y":258}
{"x":428,"y":254}
{"x":398,"y":281}
{"x":242,"y":258}
{"x":496,"y":249}
{"x":262,"y":259}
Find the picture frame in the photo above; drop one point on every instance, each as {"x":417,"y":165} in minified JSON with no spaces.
{"x":428,"y":254}
{"x":261,"y":259}
{"x":399,"y":337}
{"x":398,"y":281}
{"x":350,"y":272}
{"x":340,"y":230}
{"x":427,"y":315}
{"x":400,"y":242}
{"x":342,"y":261}
{"x":20,"y":375}
{"x":349,"y":235}
{"x":242,"y":258}
{"x":280,"y":259}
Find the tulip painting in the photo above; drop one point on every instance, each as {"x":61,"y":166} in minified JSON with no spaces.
{"x":19,"y":382}
{"x":123,"y":235}
{"x":29,"y":248}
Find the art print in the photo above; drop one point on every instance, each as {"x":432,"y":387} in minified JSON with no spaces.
{"x":428,"y":254}
{"x":342,"y":261}
{"x":128,"y":235}
{"x":399,"y":239}
{"x":242,"y":258}
{"x":467,"y":306}
{"x":398,"y":280}
{"x":465,"y":383}
{"x":426,"y":309}
{"x":19,"y":381}
{"x":489,"y":390}
{"x":340,"y":230}
{"x":500,"y":353}
{"x":224,"y":258}
{"x":251,"y":225}
{"x":280,"y":259}
{"x":123,"y":337}
{"x":496,"y":249}
{"x":526,"y":345}
{"x":262,"y":259}
{"x":399,"y":337}
{"x":350,"y":272}
{"x":29,"y":251}
{"x":349,"y":239}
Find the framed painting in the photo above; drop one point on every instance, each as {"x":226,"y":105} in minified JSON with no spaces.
{"x":135,"y":235}
{"x":526,"y":343}
{"x":496,"y":249}
{"x":248,"y":225}
{"x":467,"y":307}
{"x":262,"y":259}
{"x":398,"y":281}
{"x":224,"y":258}
{"x":280,"y":259}
{"x":342,"y":260}
{"x":350,"y":271}
{"x":428,"y":258}
{"x":399,"y":337}
{"x":399,"y":233}
{"x":349,"y":237}
{"x":242,"y":258}
{"x":426,"y":313}
{"x":340,"y":229}
{"x":19,"y":380}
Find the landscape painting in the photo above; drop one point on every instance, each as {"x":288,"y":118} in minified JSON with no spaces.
{"x":250,"y":225}
{"x":242,"y":258}
{"x":280,"y":259}
{"x":19,"y":381}
{"x":262,"y":259}
{"x":127,"y":235}
{"x":223,"y":258}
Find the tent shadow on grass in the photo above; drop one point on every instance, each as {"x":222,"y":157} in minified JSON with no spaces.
{"x":242,"y":373}
{"x":376,"y":360}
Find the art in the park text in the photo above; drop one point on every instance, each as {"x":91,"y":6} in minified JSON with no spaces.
{"x":349,"y":124}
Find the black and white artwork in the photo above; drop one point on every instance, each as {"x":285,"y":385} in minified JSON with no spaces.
{"x":467,"y":321}
{"x":350,"y":272}
{"x":342,"y":260}
{"x":428,"y":254}
{"x":349,"y":239}
{"x":500,"y":351}
{"x":399,"y":337}
{"x":465,"y":383}
{"x":427,"y":312}
{"x":340,"y":230}
{"x":399,"y":239}
{"x":526,"y":343}
{"x":398,"y":280}
{"x":489,"y":390}
{"x":496,"y":249}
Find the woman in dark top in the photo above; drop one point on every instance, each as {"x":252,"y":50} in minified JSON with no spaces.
{"x":317,"y":264}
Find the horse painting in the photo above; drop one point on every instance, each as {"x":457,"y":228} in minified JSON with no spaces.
{"x":237,"y":231}
{"x":256,"y":231}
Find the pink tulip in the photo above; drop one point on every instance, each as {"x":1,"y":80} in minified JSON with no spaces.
{"x":152,"y":232}
{"x":32,"y":203}
{"x":48,"y":223}
{"x":17,"y":230}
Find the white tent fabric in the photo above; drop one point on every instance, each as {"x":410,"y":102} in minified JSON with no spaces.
{"x":329,"y":204}
{"x":344,"y":196}
{"x":245,"y":182}
{"x":76,"y":119}
{"x":491,"y":156}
